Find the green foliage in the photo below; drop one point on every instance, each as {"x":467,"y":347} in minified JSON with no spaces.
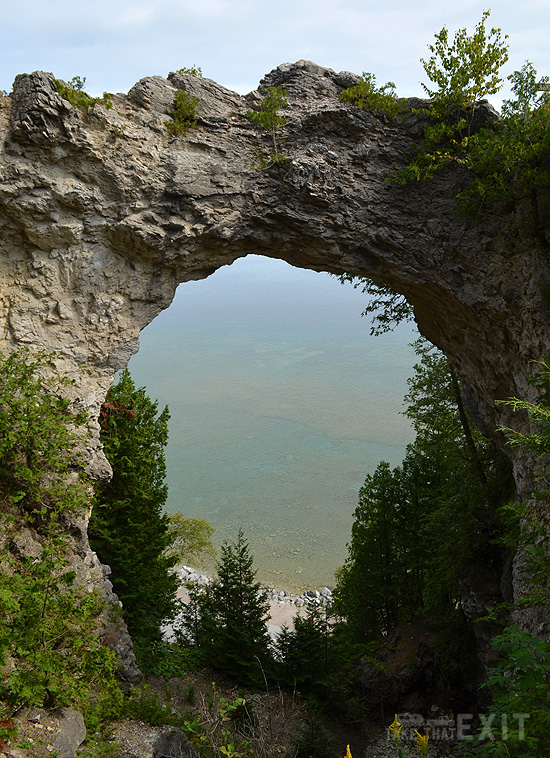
{"x":517,"y":723}
{"x":304,"y":650}
{"x":48,"y":631}
{"x":526,"y":86}
{"x":100,"y":745}
{"x":367,"y":96}
{"x":509,"y":161}
{"x":386,"y":307}
{"x":520,"y":680}
{"x":74,"y":93}
{"x":420,"y":528}
{"x":526,"y":532}
{"x":226,"y":619}
{"x":508,"y":158}
{"x":538,"y":440}
{"x":193,"y":70}
{"x":39,"y":436}
{"x":190,"y":540}
{"x":462,"y":72}
{"x":382,"y":582}
{"x":118,"y":131}
{"x":8,"y":731}
{"x":183,"y":115}
{"x":318,"y":659}
{"x":147,"y":705}
{"x":268,"y":118}
{"x":172,"y":660}
{"x":48,"y":641}
{"x":466,"y":70}
{"x":128,"y":528}
{"x":224,"y":727}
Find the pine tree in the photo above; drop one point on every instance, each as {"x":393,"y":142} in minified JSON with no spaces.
{"x":427,"y":528}
{"x":304,"y":650}
{"x":226,"y":620}
{"x":128,"y":528}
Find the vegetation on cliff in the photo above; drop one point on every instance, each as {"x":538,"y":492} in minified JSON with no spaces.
{"x":425,"y":531}
{"x":506,"y":157}
{"x":50,"y":650}
{"x":268,"y":118}
{"x":367,"y":95}
{"x":74,"y":93}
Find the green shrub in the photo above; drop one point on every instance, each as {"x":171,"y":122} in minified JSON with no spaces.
{"x":48,"y":639}
{"x":183,"y":114}
{"x":74,"y":93}
{"x":367,"y":96}
{"x":190,"y":540}
{"x":48,"y":632}
{"x":518,"y":721}
{"x":147,"y":705}
{"x":38,"y":437}
{"x":193,"y":70}
{"x":118,"y":131}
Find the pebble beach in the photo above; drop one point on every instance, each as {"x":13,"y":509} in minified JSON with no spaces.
{"x":284,"y":606}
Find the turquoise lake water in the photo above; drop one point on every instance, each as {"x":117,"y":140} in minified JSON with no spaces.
{"x":281,"y":403}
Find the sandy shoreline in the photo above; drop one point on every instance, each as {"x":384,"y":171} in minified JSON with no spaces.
{"x":279,"y":614}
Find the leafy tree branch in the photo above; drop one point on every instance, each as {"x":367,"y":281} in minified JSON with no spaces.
{"x":367,"y":96}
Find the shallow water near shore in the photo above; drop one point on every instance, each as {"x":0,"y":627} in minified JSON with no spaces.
{"x":281,"y":403}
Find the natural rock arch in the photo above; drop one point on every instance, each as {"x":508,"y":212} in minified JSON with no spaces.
{"x":102,"y":215}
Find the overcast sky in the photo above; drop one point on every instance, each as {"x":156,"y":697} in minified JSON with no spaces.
{"x":113,"y":43}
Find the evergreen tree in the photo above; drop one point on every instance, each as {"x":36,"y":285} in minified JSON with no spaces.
{"x":226,"y":619}
{"x":425,"y":528}
{"x":128,"y":528}
{"x":381,"y":583}
{"x":304,"y":650}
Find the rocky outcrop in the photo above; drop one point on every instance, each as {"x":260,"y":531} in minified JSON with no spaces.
{"x":138,"y":740}
{"x":103,"y":214}
{"x":60,"y":731}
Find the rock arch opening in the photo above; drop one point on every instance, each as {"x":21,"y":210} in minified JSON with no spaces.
{"x":281,"y":403}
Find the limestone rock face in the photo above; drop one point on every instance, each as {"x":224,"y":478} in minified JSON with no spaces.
{"x":102,"y":215}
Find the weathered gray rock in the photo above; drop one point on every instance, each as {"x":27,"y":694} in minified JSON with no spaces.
{"x":172,"y":742}
{"x":59,"y":729}
{"x":140,"y":740}
{"x":24,"y":545}
{"x":114,"y":635}
{"x":97,"y":229}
